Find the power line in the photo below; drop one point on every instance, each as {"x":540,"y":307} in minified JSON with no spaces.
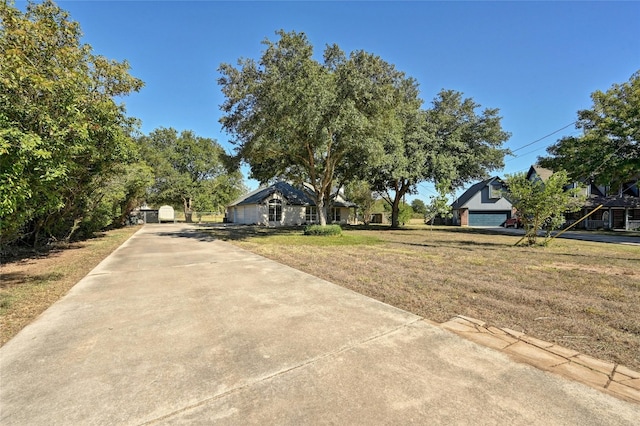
{"x":515,"y":157}
{"x":544,"y":137}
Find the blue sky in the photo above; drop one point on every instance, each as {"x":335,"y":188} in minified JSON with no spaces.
{"x":538,"y":62}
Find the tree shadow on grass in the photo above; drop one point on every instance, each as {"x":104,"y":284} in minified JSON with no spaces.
{"x":227,"y":232}
{"x":13,"y":279}
{"x":462,"y":245}
{"x":24,"y":253}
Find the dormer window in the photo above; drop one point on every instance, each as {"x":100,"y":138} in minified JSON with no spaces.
{"x":495,"y":192}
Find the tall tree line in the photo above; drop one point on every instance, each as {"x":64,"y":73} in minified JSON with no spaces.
{"x":67,"y":160}
{"x":71,"y":162}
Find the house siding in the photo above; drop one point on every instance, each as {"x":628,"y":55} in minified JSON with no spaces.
{"x":481,"y":202}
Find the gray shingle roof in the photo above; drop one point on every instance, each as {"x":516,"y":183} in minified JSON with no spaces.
{"x":293,"y":195}
{"x":613,"y":201}
{"x":473,"y":190}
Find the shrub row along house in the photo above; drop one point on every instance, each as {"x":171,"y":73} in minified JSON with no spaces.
{"x":483,"y":204}
{"x":283,"y":204}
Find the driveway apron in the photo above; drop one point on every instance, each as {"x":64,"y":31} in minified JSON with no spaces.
{"x":176,"y":327}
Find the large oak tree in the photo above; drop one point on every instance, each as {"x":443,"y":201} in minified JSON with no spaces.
{"x":449,"y":144}
{"x":608,"y":151}
{"x":307,"y":121}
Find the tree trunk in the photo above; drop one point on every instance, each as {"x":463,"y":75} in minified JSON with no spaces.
{"x":322,"y":212}
{"x":395,"y":212}
{"x":188,"y":212}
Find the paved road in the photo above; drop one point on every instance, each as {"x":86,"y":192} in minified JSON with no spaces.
{"x":584,"y":236}
{"x":175,"y":328}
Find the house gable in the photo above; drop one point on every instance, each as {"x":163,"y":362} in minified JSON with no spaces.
{"x":539,"y":173}
{"x":485,"y":195}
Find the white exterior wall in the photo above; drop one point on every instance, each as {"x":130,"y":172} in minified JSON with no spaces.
{"x":344,"y":215}
{"x":252,"y":214}
{"x":292,"y":215}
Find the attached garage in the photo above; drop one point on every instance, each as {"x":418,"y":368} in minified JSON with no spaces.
{"x":480,"y":218}
{"x":482,"y":205}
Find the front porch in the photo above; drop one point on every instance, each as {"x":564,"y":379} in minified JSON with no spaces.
{"x":614,"y":218}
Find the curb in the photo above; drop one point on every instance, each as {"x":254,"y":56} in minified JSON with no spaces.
{"x":614,"y":379}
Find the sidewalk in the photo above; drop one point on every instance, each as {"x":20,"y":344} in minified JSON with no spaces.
{"x":176,"y":328}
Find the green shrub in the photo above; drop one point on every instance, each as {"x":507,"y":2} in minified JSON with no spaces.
{"x":323,"y":230}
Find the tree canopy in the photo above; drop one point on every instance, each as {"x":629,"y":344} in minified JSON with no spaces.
{"x":467,"y":144}
{"x":419,"y":206}
{"x":190,"y":171}
{"x":296,"y":118}
{"x":62,"y":135}
{"x":608,"y":151}
{"x":351,"y":118}
{"x":449,"y":144}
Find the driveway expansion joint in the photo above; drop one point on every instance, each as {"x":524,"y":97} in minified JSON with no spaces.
{"x":608,"y":377}
{"x":276,"y":374}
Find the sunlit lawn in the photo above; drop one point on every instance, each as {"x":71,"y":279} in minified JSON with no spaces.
{"x":581,"y":295}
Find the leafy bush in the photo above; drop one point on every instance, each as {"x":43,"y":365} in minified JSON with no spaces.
{"x":326,"y":230}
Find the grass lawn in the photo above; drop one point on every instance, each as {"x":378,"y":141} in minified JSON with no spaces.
{"x":581,"y":295}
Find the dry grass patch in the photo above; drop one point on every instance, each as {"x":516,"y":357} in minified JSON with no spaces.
{"x":581,"y":295}
{"x":30,"y":285}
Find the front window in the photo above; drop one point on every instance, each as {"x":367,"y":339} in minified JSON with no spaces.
{"x":275,"y":210}
{"x":311,"y":214}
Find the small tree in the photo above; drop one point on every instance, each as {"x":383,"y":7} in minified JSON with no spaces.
{"x":418,"y":206}
{"x":360,"y":193}
{"x":405,"y":213}
{"x":542,"y":204}
{"x":439,"y":205}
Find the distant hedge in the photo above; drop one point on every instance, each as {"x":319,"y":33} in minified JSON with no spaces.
{"x":323,"y":230}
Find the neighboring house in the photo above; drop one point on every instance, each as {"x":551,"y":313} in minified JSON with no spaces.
{"x":482,"y":205}
{"x":538,"y":173}
{"x":620,"y":208}
{"x":282,"y":204}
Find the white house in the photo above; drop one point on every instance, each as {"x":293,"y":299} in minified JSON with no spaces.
{"x":282,"y":204}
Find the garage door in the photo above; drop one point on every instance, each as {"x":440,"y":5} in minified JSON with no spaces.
{"x":487,"y":218}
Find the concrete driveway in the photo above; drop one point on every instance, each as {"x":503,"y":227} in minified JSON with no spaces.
{"x":176,"y":328}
